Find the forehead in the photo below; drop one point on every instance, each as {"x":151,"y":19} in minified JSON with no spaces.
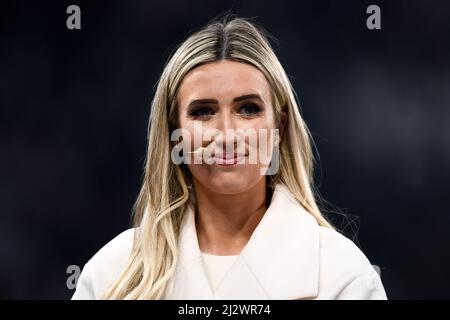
{"x":223,"y":80}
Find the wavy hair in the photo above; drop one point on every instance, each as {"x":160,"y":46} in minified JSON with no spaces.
{"x":165,"y":192}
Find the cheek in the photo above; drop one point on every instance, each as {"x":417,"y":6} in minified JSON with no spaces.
{"x":264,"y":130}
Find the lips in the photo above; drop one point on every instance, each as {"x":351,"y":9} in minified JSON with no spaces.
{"x":228,"y":159}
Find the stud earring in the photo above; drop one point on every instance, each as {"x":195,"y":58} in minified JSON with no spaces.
{"x":276,"y":142}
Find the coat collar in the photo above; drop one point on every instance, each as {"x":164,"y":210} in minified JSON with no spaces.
{"x":280,"y":261}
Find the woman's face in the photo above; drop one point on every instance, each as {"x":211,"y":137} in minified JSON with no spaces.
{"x":227,"y":96}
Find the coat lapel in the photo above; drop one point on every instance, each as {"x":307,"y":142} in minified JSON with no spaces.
{"x":280,"y":261}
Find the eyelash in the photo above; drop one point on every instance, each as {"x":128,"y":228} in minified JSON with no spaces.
{"x":195,"y":113}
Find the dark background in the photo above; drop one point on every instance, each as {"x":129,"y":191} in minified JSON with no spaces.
{"x":75,"y":106}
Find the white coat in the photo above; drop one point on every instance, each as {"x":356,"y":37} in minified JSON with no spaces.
{"x":288,"y":256}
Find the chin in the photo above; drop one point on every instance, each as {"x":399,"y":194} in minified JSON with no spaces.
{"x":228,"y":183}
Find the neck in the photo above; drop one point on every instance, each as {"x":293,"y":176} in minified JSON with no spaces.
{"x":225,"y":222}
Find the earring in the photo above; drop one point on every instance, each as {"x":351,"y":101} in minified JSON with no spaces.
{"x":276,"y":142}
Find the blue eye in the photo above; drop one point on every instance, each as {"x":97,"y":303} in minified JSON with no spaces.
{"x":250,"y":109}
{"x":202,"y":112}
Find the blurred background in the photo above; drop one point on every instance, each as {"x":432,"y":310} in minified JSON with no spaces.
{"x":74,"y":106}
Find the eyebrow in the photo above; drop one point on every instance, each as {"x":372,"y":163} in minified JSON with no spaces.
{"x":215,"y":101}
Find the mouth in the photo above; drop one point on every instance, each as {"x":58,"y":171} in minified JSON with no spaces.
{"x":229,"y":159}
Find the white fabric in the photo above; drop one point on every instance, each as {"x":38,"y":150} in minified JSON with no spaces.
{"x":288,"y":256}
{"x":216,"y":267}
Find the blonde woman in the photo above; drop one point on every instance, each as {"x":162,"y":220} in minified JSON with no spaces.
{"x":217,"y":225}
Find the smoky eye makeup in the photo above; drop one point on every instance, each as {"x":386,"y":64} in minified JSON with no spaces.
{"x":250,"y":109}
{"x":244,"y":106}
{"x":200,"y":111}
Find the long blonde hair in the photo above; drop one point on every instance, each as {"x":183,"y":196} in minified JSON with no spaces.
{"x":162,"y":200}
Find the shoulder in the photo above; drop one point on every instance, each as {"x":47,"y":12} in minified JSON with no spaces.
{"x":105,"y":266}
{"x":345,"y":271}
{"x":340,"y":251}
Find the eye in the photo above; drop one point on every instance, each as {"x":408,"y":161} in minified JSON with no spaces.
{"x":202,"y":112}
{"x":249,"y":109}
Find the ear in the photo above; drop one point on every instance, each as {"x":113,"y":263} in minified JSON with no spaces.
{"x":283,"y":122}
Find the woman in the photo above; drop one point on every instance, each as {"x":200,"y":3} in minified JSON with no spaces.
{"x":217,"y":225}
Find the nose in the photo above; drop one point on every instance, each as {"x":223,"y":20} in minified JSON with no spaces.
{"x":226,"y":124}
{"x":226,"y":142}
{"x":225,"y":119}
